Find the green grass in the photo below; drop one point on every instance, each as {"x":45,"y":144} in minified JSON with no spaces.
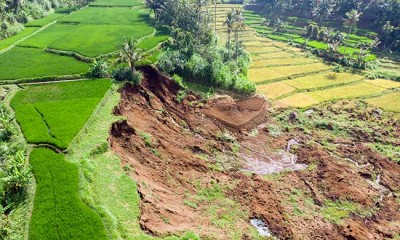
{"x":152,"y":42}
{"x":112,"y":16}
{"x":126,"y":3}
{"x":58,"y":211}
{"x":337,"y":211}
{"x":46,"y":20}
{"x":5,"y":43}
{"x":54,"y":113}
{"x":20,"y":63}
{"x":88,"y":40}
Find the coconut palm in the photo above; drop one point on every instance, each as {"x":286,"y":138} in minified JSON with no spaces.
{"x":130,"y":53}
{"x":239,"y":25}
{"x":229,"y":22}
{"x":352,"y":19}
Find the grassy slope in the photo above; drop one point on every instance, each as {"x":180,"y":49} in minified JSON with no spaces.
{"x":19,"y":63}
{"x":58,"y":211}
{"x":54,"y":113}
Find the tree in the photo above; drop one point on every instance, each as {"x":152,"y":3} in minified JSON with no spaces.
{"x":154,"y":6}
{"x":229,"y":22}
{"x":352,"y":19}
{"x":238,"y":26}
{"x":130,"y":54}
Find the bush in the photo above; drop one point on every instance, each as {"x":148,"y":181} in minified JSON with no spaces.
{"x":126,"y":74}
{"x":122,"y":74}
{"x":100,"y":69}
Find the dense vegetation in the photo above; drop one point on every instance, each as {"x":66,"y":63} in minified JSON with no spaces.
{"x":14,"y":172}
{"x":15,"y":13}
{"x":194,"y":53}
{"x":381,"y":16}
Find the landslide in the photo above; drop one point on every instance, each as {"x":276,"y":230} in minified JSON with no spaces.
{"x":200,"y":166}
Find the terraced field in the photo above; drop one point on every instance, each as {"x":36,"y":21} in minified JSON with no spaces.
{"x":294,"y":78}
{"x":92,"y":31}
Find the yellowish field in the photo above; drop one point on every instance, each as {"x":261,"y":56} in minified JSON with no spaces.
{"x":251,"y":42}
{"x":350,"y":91}
{"x":297,"y":100}
{"x":262,"y":49}
{"x":323,"y":80}
{"x":389,"y":102}
{"x":282,"y":61}
{"x":264,"y":74}
{"x":274,"y":90}
{"x":262,"y":56}
{"x":384,"y":83}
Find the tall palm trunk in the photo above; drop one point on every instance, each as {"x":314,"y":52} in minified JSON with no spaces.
{"x":215,"y":15}
{"x":348,"y":36}
{"x":229,"y":44}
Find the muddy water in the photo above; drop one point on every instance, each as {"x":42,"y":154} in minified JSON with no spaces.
{"x":260,"y":161}
{"x":261,"y":227}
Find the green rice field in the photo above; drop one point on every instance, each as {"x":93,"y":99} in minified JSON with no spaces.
{"x":34,"y":63}
{"x":59,"y":212}
{"x":54,"y":113}
{"x":5,"y":43}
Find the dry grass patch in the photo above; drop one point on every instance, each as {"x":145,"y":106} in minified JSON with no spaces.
{"x":297,"y":100}
{"x":323,"y":80}
{"x":282,"y":61}
{"x":265,"y":74}
{"x":274,"y":90}
{"x":263,"y":56}
{"x":262,"y":49}
{"x":389,"y":102}
{"x":383,"y":83}
{"x":350,"y":91}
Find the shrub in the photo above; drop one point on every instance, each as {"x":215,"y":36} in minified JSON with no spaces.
{"x":137,"y":78}
{"x":100,"y":69}
{"x":123,"y":74}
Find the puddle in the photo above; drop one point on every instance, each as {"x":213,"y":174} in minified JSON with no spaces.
{"x":261,"y":227}
{"x":276,"y":162}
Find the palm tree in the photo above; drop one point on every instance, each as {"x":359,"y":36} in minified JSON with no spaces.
{"x":239,"y":25}
{"x":154,"y":5}
{"x":130,"y":53}
{"x":229,"y":22}
{"x":215,"y":15}
{"x":352,"y":19}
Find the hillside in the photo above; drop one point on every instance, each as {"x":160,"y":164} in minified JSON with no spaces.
{"x":181,"y":119}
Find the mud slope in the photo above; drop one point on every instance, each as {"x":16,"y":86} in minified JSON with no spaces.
{"x":197,"y":162}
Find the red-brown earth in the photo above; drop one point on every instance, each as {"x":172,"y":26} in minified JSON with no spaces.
{"x":184,"y":154}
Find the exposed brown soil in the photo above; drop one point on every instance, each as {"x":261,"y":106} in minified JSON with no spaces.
{"x":190,"y":138}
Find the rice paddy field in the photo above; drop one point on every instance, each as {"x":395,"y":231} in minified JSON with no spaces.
{"x":20,"y":63}
{"x":291,"y":78}
{"x":59,"y":212}
{"x":91,"y":31}
{"x":54,"y":113}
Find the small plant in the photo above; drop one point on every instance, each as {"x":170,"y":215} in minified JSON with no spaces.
{"x":147,"y":138}
{"x":190,"y":204}
{"x":99,"y":149}
{"x":226,"y":136}
{"x":100,"y":69}
{"x":274,"y":130}
{"x":181,"y":95}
